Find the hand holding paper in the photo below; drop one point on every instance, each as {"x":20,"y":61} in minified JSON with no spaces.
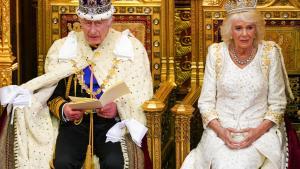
{"x":108,"y":96}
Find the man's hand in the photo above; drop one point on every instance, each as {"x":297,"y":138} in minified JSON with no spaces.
{"x":72,"y":114}
{"x":108,"y":111}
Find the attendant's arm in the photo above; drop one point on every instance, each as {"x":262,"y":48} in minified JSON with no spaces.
{"x":276,"y":101}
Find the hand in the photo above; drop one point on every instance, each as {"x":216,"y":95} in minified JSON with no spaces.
{"x":108,"y":111}
{"x":225,"y":135}
{"x":71,"y":114}
{"x":252,"y":134}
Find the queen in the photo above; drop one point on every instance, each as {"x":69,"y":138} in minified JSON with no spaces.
{"x":243,"y":97}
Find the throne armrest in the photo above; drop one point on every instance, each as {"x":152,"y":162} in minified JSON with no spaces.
{"x":154,"y":109}
{"x":183,"y":113}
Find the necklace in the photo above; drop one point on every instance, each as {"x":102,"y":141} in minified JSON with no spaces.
{"x":242,"y":62}
{"x":110,"y":74}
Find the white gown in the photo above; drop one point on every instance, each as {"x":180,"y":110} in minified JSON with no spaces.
{"x":241,"y":97}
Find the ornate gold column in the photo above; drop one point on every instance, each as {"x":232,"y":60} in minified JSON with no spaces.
{"x":183,"y":114}
{"x":154,"y":110}
{"x":6,"y":57}
{"x":184,"y":111}
{"x":168,"y":51}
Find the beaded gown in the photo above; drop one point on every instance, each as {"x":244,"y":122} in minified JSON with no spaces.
{"x":241,"y":98}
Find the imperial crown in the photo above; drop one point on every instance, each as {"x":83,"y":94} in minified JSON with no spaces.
{"x":95,"y":9}
{"x":237,"y":6}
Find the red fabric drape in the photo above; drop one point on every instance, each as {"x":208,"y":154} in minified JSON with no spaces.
{"x":293,"y":146}
{"x":148,"y":162}
{"x":3,"y":121}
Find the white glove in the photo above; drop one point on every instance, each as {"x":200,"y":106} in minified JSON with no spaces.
{"x":135,"y":128}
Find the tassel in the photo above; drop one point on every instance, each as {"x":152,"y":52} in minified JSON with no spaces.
{"x":88,"y":163}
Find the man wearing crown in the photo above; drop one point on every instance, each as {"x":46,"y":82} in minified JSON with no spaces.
{"x":83,"y":64}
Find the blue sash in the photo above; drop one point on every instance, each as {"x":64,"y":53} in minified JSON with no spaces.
{"x":87,"y":76}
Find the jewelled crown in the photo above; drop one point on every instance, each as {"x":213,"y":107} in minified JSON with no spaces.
{"x":95,"y":9}
{"x":237,"y":6}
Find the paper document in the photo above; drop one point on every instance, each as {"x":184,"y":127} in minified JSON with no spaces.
{"x":109,"y":95}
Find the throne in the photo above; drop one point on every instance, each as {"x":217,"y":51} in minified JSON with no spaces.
{"x":145,"y":20}
{"x":281,"y":26}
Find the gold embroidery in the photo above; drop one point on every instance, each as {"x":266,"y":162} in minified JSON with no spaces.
{"x":68,"y":86}
{"x":265,"y":65}
{"x":76,"y":69}
{"x":208,"y":116}
{"x":111,"y":73}
{"x":218,"y":61}
{"x":54,"y":106}
{"x":276,"y":117}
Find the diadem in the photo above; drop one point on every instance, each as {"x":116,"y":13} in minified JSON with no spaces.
{"x":237,"y":6}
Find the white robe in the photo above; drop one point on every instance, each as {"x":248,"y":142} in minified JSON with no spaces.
{"x":35,"y":130}
{"x":242,"y":97}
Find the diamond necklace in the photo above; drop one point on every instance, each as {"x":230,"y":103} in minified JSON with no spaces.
{"x":242,"y":62}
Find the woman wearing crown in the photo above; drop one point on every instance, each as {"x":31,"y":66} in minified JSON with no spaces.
{"x":48,"y":132}
{"x":243,"y":97}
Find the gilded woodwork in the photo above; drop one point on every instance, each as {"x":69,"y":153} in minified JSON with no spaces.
{"x":154,"y":109}
{"x":282,"y":27}
{"x":6,"y":56}
{"x":58,"y":17}
{"x":183,"y":111}
{"x":167,"y":57}
{"x":183,"y":114}
{"x":285,"y":37}
{"x":286,"y":19}
{"x":51,"y":28}
{"x":212,"y":2}
{"x":293,"y":106}
{"x":183,"y":46}
{"x":197,"y":44}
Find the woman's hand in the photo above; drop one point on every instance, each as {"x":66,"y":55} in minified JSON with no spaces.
{"x":108,"y":111}
{"x":71,"y":114}
{"x":224,"y":134}
{"x":252,"y":134}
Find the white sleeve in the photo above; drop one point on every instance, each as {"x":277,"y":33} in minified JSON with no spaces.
{"x":207,"y":100}
{"x":276,"y":93}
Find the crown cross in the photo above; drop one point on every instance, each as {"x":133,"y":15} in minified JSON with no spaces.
{"x":237,"y":6}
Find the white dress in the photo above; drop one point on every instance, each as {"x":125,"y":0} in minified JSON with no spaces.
{"x":241,"y":98}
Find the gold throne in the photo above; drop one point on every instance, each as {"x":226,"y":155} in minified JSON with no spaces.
{"x":146,"y":20}
{"x":282,"y":26}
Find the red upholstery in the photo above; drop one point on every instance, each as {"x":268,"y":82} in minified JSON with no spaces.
{"x":293,"y":146}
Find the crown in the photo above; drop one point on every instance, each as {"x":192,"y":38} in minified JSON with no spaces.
{"x":95,"y":9}
{"x":237,"y":6}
